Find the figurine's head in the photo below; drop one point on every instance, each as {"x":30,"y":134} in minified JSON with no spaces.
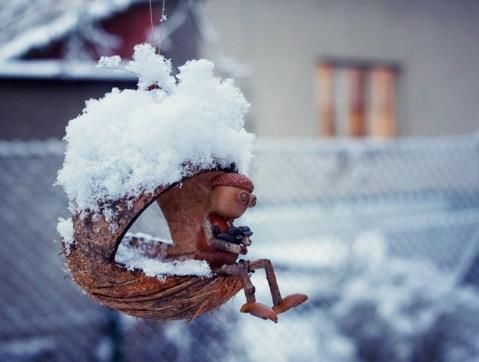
{"x":232,"y":195}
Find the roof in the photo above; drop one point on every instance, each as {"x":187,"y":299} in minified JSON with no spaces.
{"x":28,"y":24}
{"x":59,"y":69}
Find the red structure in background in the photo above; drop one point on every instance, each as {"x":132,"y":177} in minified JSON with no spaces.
{"x":51,"y":80}
{"x":132,"y":26}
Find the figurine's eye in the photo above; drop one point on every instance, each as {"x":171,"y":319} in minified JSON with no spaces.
{"x":252,"y":201}
{"x":244,"y":197}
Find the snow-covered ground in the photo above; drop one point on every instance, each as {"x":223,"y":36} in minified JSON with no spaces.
{"x":382,"y":276}
{"x":365,"y":305}
{"x":380,"y":270}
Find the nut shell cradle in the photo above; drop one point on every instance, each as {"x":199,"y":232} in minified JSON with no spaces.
{"x":185,"y":205}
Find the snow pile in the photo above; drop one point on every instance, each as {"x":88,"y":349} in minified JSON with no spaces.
{"x":378,"y":307}
{"x":147,"y":238}
{"x":65,"y":229}
{"x":134,"y":258}
{"x":398,"y":309}
{"x":133,"y":141}
{"x":297,"y":337}
{"x":382,"y":308}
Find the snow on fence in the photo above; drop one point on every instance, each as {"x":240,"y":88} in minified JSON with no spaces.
{"x":306,"y":171}
{"x":383,"y":236}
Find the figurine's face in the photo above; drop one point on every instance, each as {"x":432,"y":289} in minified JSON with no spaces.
{"x":231,"y":202}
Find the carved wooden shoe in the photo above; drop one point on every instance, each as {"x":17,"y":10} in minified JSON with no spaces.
{"x":259,"y":310}
{"x":291,"y":301}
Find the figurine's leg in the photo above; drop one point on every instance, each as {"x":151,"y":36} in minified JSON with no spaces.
{"x":280,"y":304}
{"x":270,"y":277}
{"x":242,"y":271}
{"x":251,"y":306}
{"x":248,"y":287}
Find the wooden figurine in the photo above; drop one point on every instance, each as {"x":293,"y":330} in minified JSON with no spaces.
{"x":220,"y":243}
{"x":200,"y":211}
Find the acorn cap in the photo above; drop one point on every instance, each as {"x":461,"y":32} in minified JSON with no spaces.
{"x":233,"y":179}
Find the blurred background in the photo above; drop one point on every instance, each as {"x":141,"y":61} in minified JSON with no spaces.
{"x":366,"y":170}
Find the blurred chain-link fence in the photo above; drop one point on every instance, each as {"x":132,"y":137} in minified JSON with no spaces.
{"x":383,"y":236}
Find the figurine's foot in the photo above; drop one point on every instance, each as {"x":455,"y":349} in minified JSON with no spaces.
{"x":259,"y":310}
{"x":289,"y":302}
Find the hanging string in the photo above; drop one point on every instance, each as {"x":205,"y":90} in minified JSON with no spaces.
{"x":162,"y":19}
{"x":151,"y":17}
{"x":163,"y":16}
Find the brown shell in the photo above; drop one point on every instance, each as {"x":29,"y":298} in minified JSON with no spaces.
{"x":92,"y":256}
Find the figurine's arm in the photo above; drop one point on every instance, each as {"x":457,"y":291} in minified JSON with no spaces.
{"x":234,"y":240}
{"x":227,"y":246}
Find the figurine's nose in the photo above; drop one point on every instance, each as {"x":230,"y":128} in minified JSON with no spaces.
{"x":252,"y":201}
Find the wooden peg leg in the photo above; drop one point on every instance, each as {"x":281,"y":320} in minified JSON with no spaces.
{"x":270,"y":277}
{"x":242,"y":270}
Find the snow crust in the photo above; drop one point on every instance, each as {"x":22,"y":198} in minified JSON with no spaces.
{"x":399,"y":309}
{"x":65,"y":229}
{"x":133,"y":258}
{"x":148,"y":238}
{"x":109,"y":62}
{"x":133,"y":141}
{"x":369,"y":306}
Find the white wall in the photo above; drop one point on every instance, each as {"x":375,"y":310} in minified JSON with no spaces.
{"x":436,"y":42}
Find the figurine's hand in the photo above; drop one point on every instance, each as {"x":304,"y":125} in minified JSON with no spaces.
{"x":246,"y":241}
{"x":244,"y":250}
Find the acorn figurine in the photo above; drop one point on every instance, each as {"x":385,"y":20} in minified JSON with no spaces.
{"x":220,"y":243}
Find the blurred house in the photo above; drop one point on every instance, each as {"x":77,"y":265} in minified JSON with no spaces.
{"x":49,"y":49}
{"x":391,"y":69}
{"x":433,"y":44}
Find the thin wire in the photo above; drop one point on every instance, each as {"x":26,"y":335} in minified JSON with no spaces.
{"x":163,"y":18}
{"x":151,"y":17}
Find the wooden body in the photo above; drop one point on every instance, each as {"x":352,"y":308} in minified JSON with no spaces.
{"x":91,"y":260}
